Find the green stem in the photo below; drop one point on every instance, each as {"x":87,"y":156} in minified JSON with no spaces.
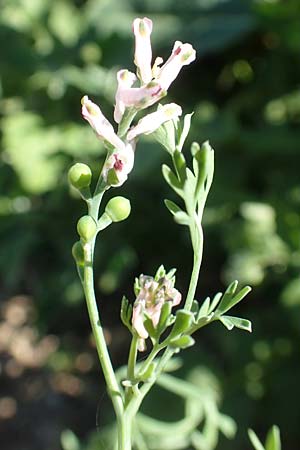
{"x":113,"y":386}
{"x":124,"y":432}
{"x":132,"y":358}
{"x":109,"y":375}
{"x":136,"y":401}
{"x":155,"y":350}
{"x":197,"y":241}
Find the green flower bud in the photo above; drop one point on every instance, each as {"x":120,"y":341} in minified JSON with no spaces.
{"x":182,"y":342}
{"x":80,"y":176}
{"x":77,"y":252}
{"x":182,"y":323}
{"x":86,"y":228}
{"x":118,"y":208}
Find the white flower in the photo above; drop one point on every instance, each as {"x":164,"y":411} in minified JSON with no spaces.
{"x":182,"y":55}
{"x":142,"y":29}
{"x":152,"y":121}
{"x":103,"y":128}
{"x":125,"y":81}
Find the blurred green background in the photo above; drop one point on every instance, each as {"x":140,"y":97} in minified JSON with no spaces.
{"x":244,"y":89}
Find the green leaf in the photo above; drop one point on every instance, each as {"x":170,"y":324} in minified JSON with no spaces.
{"x":180,"y":165}
{"x":195,"y":308}
{"x":226,"y":322}
{"x":172,"y":207}
{"x":255,"y":441}
{"x":273,"y":441}
{"x":229,"y":299}
{"x":182,"y":218}
{"x":204,"y":308}
{"x":126,"y":312}
{"x":189,"y":191}
{"x":172,"y":180}
{"x":215,"y":301}
{"x":203,"y":163}
{"x":160,"y":273}
{"x":200,"y":165}
{"x":185,"y":131}
{"x":237,"y":322}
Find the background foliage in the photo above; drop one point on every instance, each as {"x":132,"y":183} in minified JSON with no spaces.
{"x":244,"y":89}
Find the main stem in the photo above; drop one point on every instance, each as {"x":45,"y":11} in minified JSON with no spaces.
{"x":110,"y":378}
{"x":114,"y":389}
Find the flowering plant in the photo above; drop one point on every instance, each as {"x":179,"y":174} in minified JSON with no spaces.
{"x":151,"y":320}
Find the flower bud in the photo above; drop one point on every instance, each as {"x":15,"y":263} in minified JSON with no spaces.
{"x":182,"y":342}
{"x":80,"y":176}
{"x":118,"y":208}
{"x":78,"y":254}
{"x":182,"y":323}
{"x":86,"y":228}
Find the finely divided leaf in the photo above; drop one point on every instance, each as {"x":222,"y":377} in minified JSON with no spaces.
{"x":237,"y":322}
{"x":215,"y":301}
{"x":273,"y":441}
{"x":229,"y":300}
{"x":255,"y":441}
{"x":172,"y":180}
{"x":172,"y":207}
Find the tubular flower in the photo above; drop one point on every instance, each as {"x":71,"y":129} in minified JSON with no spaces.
{"x":152,"y":295}
{"x":142,"y":29}
{"x":182,"y":55}
{"x":152,"y":121}
{"x":119,"y":165}
{"x":125,"y":81}
{"x":139,"y":98}
{"x":103,"y":128}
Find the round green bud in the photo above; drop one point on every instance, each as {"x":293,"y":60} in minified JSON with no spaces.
{"x":118,"y":208}
{"x":86,"y":227}
{"x":77,"y":252}
{"x":80,"y":176}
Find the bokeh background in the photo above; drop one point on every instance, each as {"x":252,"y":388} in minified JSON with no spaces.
{"x":244,"y":89}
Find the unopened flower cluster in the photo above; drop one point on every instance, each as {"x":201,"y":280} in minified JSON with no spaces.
{"x":149,"y":301}
{"x":136,"y":92}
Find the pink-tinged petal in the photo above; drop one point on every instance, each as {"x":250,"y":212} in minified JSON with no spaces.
{"x":152,"y":121}
{"x":138,"y":320}
{"x":125,"y":81}
{"x":142,"y":29}
{"x":154,"y":312}
{"x":142,"y":97}
{"x":182,"y":55}
{"x":103,"y":128}
{"x":176,"y":296}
